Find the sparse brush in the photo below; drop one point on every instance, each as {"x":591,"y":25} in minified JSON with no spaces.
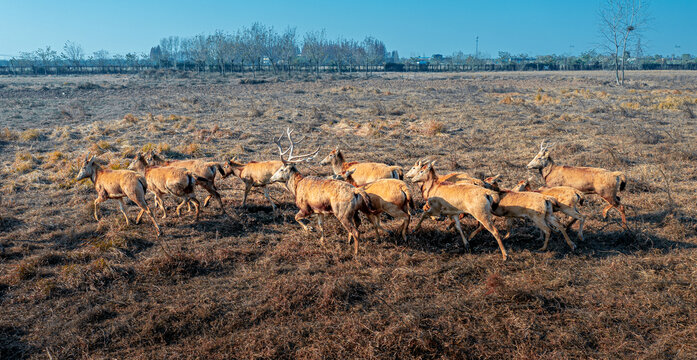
{"x":191,"y":149}
{"x":24,"y":162}
{"x":30,"y":135}
{"x":130,"y":118}
{"x":8,"y":135}
{"x":433,"y":128}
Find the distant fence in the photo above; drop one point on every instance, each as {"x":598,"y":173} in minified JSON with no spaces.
{"x":389,"y":67}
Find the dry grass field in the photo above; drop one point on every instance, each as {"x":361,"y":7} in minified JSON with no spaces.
{"x":254,"y":285}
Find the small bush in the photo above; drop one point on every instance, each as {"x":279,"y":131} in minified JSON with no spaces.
{"x":24,"y":162}
{"x":674,"y":103}
{"x":8,"y":135}
{"x":30,"y":135}
{"x":130,"y":118}
{"x":433,"y":128}
{"x":192,"y":149}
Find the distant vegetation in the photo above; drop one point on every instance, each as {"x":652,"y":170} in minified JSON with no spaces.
{"x":262,"y":49}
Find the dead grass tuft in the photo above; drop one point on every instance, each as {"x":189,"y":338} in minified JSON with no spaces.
{"x":30,"y":135}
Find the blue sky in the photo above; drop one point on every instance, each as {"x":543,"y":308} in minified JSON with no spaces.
{"x":411,"y":27}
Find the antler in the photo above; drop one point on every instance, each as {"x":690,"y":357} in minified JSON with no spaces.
{"x":291,"y":158}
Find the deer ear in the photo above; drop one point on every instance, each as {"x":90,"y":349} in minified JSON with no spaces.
{"x":433,"y":163}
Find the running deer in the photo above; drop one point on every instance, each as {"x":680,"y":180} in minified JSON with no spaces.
{"x":537,"y":207}
{"x":253,"y":174}
{"x":391,"y":196}
{"x":117,"y":184}
{"x":452,"y":200}
{"x":455,"y":177}
{"x":171,"y":180}
{"x":589,"y":180}
{"x":363,"y":172}
{"x":314,"y":195}
{"x":568,"y":200}
{"x":201,"y":168}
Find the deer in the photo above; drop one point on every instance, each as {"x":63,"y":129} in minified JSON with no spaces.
{"x":363,"y":172}
{"x":452,"y":200}
{"x":171,"y":180}
{"x":391,"y":196}
{"x":117,"y":184}
{"x":537,"y":207}
{"x":253,"y":174}
{"x":588,"y":180}
{"x":568,"y":200}
{"x":455,"y":177}
{"x":201,"y":168}
{"x":314,"y":195}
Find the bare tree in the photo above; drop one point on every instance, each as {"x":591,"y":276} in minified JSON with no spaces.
{"x":47,"y":57}
{"x":621,"y":22}
{"x":101,"y":57}
{"x":374,"y":51}
{"x":314,"y":48}
{"x":288,"y":47}
{"x":73,"y":53}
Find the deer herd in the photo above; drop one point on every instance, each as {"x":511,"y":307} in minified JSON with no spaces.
{"x":370,"y":188}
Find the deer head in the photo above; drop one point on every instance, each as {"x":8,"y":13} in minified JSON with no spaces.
{"x":288,"y":168}
{"x":542,"y":158}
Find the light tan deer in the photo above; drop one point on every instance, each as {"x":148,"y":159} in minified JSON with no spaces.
{"x":589,"y":180}
{"x":454,"y":199}
{"x":117,"y":184}
{"x":201,"y":168}
{"x":253,"y":174}
{"x":455,"y":177}
{"x":391,"y":196}
{"x":171,"y":180}
{"x":568,"y":200}
{"x":314,"y":195}
{"x":363,"y":172}
{"x":537,"y":207}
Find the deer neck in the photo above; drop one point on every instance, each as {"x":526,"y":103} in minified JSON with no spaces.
{"x":95,"y":174}
{"x":428,"y":185}
{"x":292,"y":183}
{"x":547,"y":170}
{"x":338,"y":164}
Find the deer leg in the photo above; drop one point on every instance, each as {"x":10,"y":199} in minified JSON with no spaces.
{"x":352,"y":232}
{"x":98,"y":201}
{"x":554,"y":222}
{"x":576,"y":216}
{"x":161,"y":202}
{"x":210,"y":187}
{"x":476,"y":231}
{"x":620,"y":208}
{"x":302,"y":215}
{"x":509,"y":226}
{"x":266,"y":195}
{"x":488,"y":223}
{"x":320,"y":219}
{"x":545,"y":230}
{"x":179,"y":207}
{"x":121,"y":202}
{"x":144,"y":208}
{"x":247,"y":187}
{"x":458,"y":226}
{"x":197,"y":206}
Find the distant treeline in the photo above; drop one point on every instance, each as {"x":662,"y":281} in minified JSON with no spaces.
{"x":262,"y":49}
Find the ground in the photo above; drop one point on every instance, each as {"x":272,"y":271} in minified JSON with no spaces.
{"x":254,"y":285}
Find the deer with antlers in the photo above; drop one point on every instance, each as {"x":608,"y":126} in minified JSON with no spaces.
{"x":568,"y":200}
{"x":200,"y":168}
{"x":391,"y":196}
{"x":452,"y":200}
{"x":117,"y":184}
{"x":314,"y":195}
{"x":589,"y":180}
{"x":363,"y":173}
{"x":171,"y":180}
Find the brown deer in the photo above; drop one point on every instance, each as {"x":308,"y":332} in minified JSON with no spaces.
{"x":528,"y":205}
{"x":363,"y":172}
{"x":314,"y":195}
{"x":253,"y":174}
{"x":454,"y":199}
{"x":568,"y":200}
{"x":455,"y":177}
{"x":171,"y":180}
{"x":589,"y":180}
{"x":201,"y":168}
{"x":391,"y":196}
{"x":117,"y":184}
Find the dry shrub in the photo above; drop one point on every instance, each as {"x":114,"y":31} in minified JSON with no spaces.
{"x":130,"y":118}
{"x":191,"y":149}
{"x":173,"y":117}
{"x":630,"y":105}
{"x":675,"y":103}
{"x":544,"y":99}
{"x":8,"y":135}
{"x":30,"y":135}
{"x":378,"y":109}
{"x":24,"y":162}
{"x":433,"y":128}
{"x":22,"y":271}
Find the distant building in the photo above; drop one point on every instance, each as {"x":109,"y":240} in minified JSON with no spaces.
{"x":392,"y":57}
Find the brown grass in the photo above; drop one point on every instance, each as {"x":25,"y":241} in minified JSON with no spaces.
{"x":254,"y":285}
